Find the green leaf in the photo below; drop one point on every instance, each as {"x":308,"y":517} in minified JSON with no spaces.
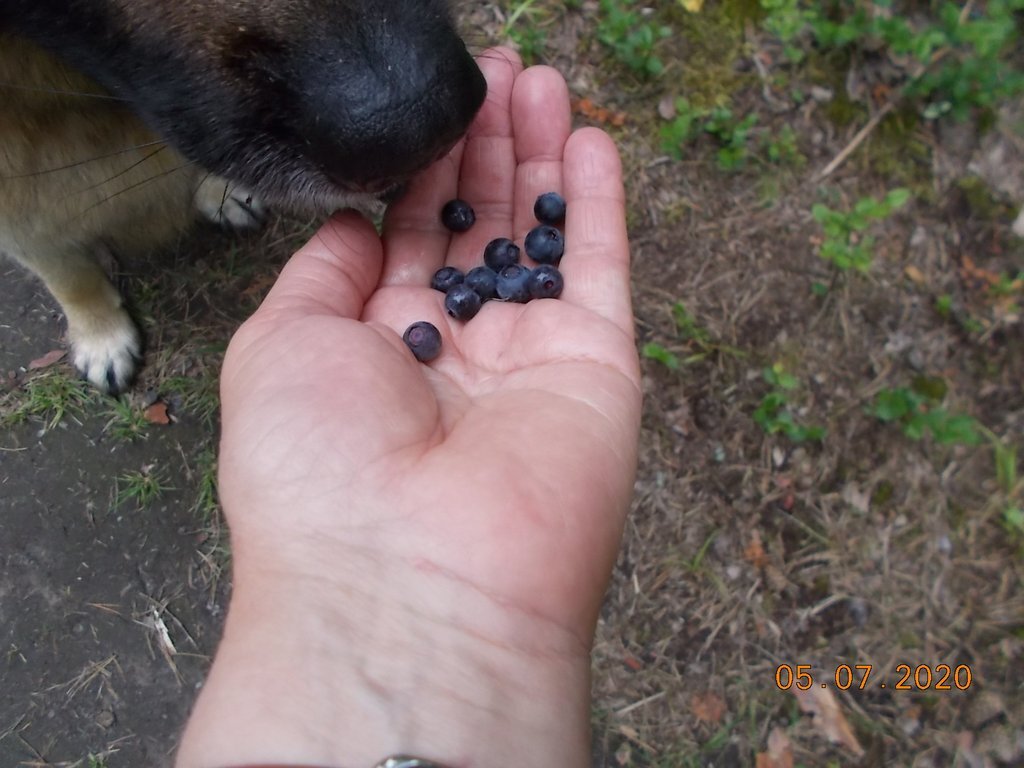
{"x":897,"y":198}
{"x":654,"y":351}
{"x":894,"y":404}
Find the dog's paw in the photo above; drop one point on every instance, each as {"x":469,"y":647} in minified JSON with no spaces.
{"x":228,"y":204}
{"x":107,"y":355}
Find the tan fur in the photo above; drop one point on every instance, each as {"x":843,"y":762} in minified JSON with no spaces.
{"x":82,"y":177}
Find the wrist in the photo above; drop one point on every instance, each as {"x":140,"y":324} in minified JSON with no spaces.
{"x":387,"y":658}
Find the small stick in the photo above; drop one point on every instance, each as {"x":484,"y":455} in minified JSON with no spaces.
{"x":857,"y":140}
{"x":871,"y":124}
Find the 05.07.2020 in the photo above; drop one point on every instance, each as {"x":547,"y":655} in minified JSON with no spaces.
{"x":922,"y":677}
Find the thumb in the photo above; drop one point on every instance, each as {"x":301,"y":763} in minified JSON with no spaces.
{"x":333,"y":274}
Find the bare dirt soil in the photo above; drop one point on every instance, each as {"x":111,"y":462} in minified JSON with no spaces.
{"x":747,"y":552}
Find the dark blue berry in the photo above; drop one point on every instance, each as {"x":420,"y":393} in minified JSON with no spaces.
{"x":545,"y":244}
{"x":545,"y":282}
{"x":462,"y":302}
{"x":424,"y":340}
{"x":484,"y":281}
{"x":550,"y":208}
{"x":457,"y":215}
{"x":514,"y":284}
{"x":445,"y":278}
{"x":500,"y":253}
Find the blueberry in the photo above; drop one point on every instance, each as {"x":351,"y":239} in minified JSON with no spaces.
{"x":500,"y":253}
{"x":462,"y":302}
{"x":424,"y":340}
{"x":484,"y":281}
{"x":445,"y":278}
{"x":457,"y":215}
{"x":513,"y":284}
{"x":549,"y":208}
{"x":545,"y":282}
{"x":545,"y":244}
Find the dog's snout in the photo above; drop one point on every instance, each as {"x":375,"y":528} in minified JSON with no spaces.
{"x":374,"y":120}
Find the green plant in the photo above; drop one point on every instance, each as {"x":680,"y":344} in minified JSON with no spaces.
{"x":782,"y":149}
{"x":686,"y":125}
{"x":630,"y":37}
{"x":51,"y":396}
{"x":775,"y":413}
{"x":732,"y":135}
{"x":142,"y":487}
{"x":529,"y":37}
{"x":1011,"y":486}
{"x":964,"y":55}
{"x":845,"y":245}
{"x":654,"y":351}
{"x":207,"y":502}
{"x":200,"y":394}
{"x":689,"y":332}
{"x":918,"y":410}
{"x":125,"y":421}
{"x":787,"y":20}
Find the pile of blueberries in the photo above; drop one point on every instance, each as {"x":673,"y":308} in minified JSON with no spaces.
{"x":501,"y":276}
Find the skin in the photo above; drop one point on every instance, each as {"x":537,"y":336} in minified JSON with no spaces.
{"x":420,"y":551}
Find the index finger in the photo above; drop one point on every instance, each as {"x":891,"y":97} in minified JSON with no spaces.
{"x":596,"y":260}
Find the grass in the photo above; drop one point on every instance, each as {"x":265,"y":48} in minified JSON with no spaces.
{"x":126,"y":421}
{"x":140,"y":487}
{"x":50,"y":396}
{"x":524,"y":26}
{"x":200,"y":394}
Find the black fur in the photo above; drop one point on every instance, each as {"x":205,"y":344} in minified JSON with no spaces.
{"x":302,"y":101}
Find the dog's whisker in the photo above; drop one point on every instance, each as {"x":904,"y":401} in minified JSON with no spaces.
{"x":60,"y":92}
{"x":136,"y":185}
{"x":80,"y":163}
{"x":128,"y":169}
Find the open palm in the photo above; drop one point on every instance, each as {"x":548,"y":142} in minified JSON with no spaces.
{"x":504,"y":466}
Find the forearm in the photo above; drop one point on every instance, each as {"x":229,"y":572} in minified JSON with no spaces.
{"x":341,"y":673}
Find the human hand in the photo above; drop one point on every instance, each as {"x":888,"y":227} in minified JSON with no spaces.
{"x":460,"y":517}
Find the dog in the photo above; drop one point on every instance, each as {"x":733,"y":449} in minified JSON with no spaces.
{"x":123,"y":118}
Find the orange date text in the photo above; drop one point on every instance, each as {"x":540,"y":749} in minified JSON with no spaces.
{"x":861,"y":677}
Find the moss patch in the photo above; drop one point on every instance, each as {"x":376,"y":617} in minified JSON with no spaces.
{"x":708,"y":45}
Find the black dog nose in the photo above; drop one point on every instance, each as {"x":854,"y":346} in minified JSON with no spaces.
{"x":375,"y":116}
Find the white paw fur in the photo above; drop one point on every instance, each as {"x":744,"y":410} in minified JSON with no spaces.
{"x":108,"y":355}
{"x":228,"y":204}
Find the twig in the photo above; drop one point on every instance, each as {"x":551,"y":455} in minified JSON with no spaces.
{"x":636,"y":704}
{"x":871,"y":124}
{"x":857,"y":140}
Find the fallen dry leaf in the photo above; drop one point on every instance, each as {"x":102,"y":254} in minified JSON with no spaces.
{"x":708,"y":707}
{"x":601,"y":115}
{"x":47,"y":360}
{"x":754,"y":552}
{"x":780,"y":751}
{"x":822,"y":704}
{"x":259,"y":285}
{"x":632,"y":662}
{"x":157,"y":413}
{"x":915,"y":275}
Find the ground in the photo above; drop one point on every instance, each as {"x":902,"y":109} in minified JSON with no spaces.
{"x":755,"y":545}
